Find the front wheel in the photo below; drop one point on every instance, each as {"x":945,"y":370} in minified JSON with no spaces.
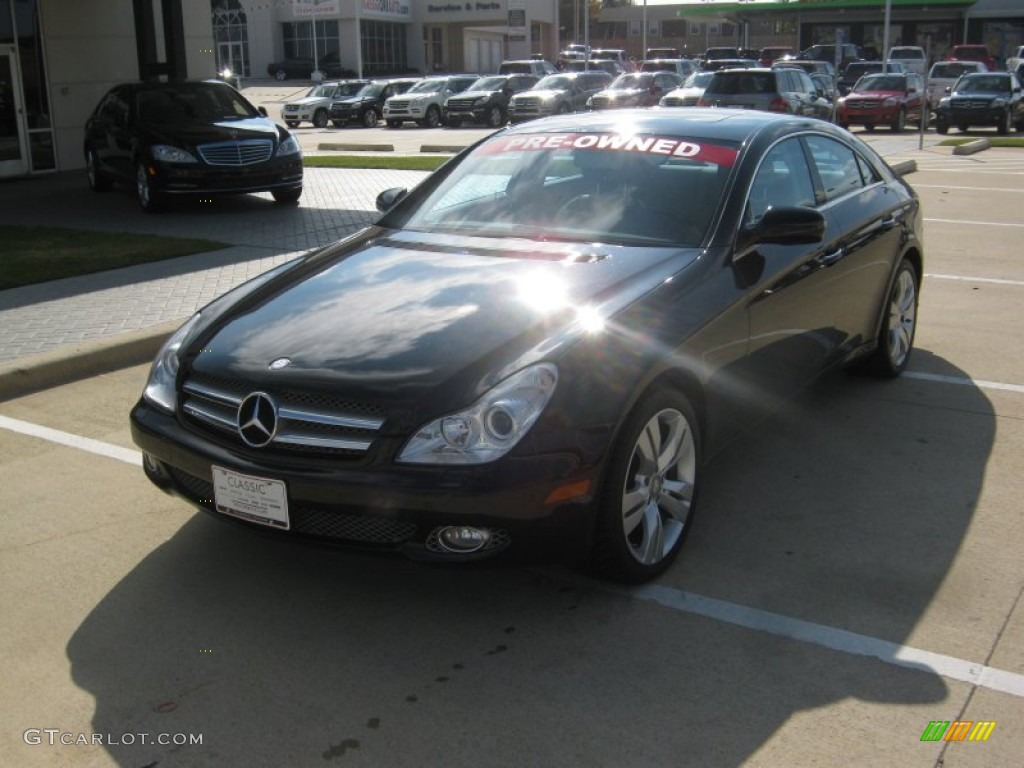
{"x":649,"y":490}
{"x":370,"y":118}
{"x":292,"y":123}
{"x":320,"y":118}
{"x":1004,"y":124}
{"x":286,"y":196}
{"x":281,"y":75}
{"x":150,"y":199}
{"x":899,"y":123}
{"x":495,"y":117}
{"x":98,"y":181}
{"x":433,"y":118}
{"x":941,"y":126}
{"x":896,"y":338}
{"x":394,"y":123}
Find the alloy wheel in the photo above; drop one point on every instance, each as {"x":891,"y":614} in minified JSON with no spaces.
{"x":902,"y":316}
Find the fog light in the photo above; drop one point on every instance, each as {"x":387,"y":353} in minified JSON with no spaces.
{"x":463,"y":538}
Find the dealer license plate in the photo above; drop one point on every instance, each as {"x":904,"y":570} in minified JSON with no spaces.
{"x":257,"y":499}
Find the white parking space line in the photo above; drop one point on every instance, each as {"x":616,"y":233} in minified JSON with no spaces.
{"x":968,"y":279}
{"x":688,"y":602}
{"x":964,"y":381}
{"x":974,"y":223}
{"x":73,"y":441}
{"x":970,"y":189}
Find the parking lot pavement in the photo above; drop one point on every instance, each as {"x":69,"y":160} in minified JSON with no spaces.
{"x":854,"y":574}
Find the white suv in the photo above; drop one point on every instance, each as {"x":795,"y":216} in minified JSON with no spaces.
{"x":912,"y":57}
{"x":424,"y":102}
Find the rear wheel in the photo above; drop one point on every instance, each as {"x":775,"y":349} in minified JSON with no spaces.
{"x":320,"y":118}
{"x":98,"y":181}
{"x":649,"y":490}
{"x":896,"y":338}
{"x":370,"y":118}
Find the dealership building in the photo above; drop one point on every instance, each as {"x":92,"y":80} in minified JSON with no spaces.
{"x":58,"y":57}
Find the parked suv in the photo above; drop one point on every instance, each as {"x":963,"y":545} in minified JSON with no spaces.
{"x":855,"y":70}
{"x":828,"y":53}
{"x":486,"y":100}
{"x":682,"y":67}
{"x":777,"y":89}
{"x":315,"y":105}
{"x":944,"y":73}
{"x":973,"y":53}
{"x":985,"y":99}
{"x":366,"y":105}
{"x":912,"y":57}
{"x":635,"y":89}
{"x":424,"y":101}
{"x":889,"y":99}
{"x":557,"y":94}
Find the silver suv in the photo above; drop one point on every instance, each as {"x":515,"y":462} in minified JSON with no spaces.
{"x":315,"y":105}
{"x":424,"y":101}
{"x":779,"y":89}
{"x":557,"y":94}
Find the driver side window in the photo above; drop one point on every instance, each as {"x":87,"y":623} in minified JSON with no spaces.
{"x":782,"y":180}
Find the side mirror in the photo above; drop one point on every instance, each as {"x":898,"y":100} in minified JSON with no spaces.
{"x":387,"y":199}
{"x":790,"y":225}
{"x":262,"y":110}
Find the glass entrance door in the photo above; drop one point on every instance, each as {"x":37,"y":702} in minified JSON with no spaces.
{"x":12,"y":139}
{"x":231,"y":55}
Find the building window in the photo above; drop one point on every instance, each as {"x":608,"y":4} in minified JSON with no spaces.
{"x":298,"y":39}
{"x":230,"y":37}
{"x":433,"y":49}
{"x":384,"y":48}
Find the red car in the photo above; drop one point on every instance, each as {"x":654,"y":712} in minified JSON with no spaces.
{"x":973,"y":53}
{"x":884,"y":98}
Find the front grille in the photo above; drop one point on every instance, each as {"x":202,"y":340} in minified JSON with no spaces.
{"x":308,"y":422}
{"x":527,"y":103}
{"x":863,"y":103}
{"x":396,"y":105}
{"x":679,"y":101}
{"x":237,"y":152}
{"x":460,"y":103}
{"x":600,"y":102}
{"x":315,"y":520}
{"x":971,"y":103}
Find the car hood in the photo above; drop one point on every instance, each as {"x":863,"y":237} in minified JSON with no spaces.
{"x":875,"y":94}
{"x":392,"y":315}
{"x":980,"y":95}
{"x":622,"y":93}
{"x":474,"y":94}
{"x":191,"y":134}
{"x":545,"y":94}
{"x":307,"y":101}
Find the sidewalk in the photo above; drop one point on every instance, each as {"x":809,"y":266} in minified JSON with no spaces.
{"x":82,"y":316}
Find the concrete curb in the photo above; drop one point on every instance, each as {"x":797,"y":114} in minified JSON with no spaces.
{"x":978,"y":145}
{"x":73,"y":362}
{"x":327,"y":146}
{"x":441,"y":148}
{"x":904,"y":167}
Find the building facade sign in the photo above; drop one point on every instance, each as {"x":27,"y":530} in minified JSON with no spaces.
{"x":308,"y":8}
{"x":397,"y":10}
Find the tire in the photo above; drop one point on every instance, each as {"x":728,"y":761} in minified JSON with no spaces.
{"x":941,"y":126}
{"x":1004,"y":124}
{"x":899,"y":322}
{"x":338,"y":123}
{"x":900,"y":123}
{"x":370,"y":118}
{"x":962,"y":127}
{"x":433,"y":118}
{"x":292,"y":123}
{"x":563,"y":109}
{"x":495,"y":117}
{"x":320,"y":118}
{"x":845,"y":126}
{"x":281,"y":75}
{"x":150,"y":200}
{"x":869,"y":128}
{"x":98,"y":181}
{"x":649,"y":490}
{"x":394,"y":123}
{"x":286,"y":196}
{"x":453,"y":122}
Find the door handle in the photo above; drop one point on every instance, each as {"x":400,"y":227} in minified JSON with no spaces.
{"x":828,"y":259}
{"x":888,"y":223}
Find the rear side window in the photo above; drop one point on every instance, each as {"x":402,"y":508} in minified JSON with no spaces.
{"x":783,"y":180}
{"x":840,"y":169}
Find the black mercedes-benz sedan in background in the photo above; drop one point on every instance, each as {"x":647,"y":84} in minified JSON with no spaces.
{"x":188,"y":138}
{"x":536,"y":349}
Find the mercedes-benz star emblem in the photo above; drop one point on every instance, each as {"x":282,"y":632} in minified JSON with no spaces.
{"x":257,"y":419}
{"x":281,"y":362}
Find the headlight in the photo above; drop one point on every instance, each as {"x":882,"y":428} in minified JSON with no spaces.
{"x":480,"y":101}
{"x":159,"y":389}
{"x":489,"y":428}
{"x":998,"y":103}
{"x":168,"y":154}
{"x":890,"y":102}
{"x":289,"y":146}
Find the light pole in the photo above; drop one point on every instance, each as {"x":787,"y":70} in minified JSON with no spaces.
{"x":643,"y":46}
{"x":359,"y":43}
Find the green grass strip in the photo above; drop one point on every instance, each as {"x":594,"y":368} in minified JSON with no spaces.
{"x":35,"y":254}
{"x":399,"y":163}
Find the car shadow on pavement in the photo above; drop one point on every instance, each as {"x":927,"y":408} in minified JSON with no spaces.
{"x":847,"y":509}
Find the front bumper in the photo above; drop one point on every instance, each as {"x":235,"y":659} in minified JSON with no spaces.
{"x":972,"y":116}
{"x":192,"y":178}
{"x":877,"y":116}
{"x":388,"y":508}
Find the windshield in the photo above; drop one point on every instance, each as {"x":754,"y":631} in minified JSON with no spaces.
{"x":950,"y":71}
{"x":191,"y":103}
{"x":553,"y":83}
{"x":579,"y":187}
{"x":631,"y":82}
{"x":488,"y":84}
{"x":698,"y":80}
{"x":742,"y":82}
{"x":984,"y":84}
{"x":606,"y":55}
{"x":427,"y":86}
{"x":906,"y":53}
{"x":882,"y":82}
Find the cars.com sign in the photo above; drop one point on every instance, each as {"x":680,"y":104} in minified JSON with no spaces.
{"x":314,"y":7}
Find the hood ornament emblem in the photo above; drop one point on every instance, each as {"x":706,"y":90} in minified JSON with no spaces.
{"x":281,"y":362}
